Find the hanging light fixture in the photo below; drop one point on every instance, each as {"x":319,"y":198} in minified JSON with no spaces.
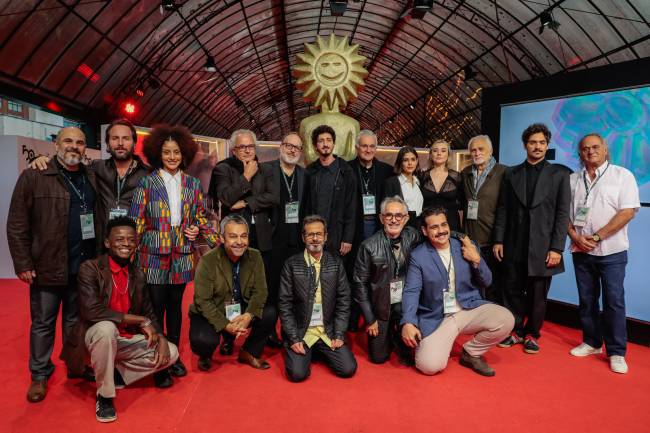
{"x":210,"y":65}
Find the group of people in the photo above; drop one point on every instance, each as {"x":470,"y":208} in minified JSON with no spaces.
{"x":422,"y":256}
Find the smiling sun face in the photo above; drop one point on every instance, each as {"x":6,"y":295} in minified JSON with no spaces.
{"x":330,"y":72}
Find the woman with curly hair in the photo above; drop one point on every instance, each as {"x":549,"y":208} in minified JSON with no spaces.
{"x":169,"y":212}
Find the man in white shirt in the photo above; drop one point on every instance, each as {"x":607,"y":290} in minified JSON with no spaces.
{"x":604,"y":198}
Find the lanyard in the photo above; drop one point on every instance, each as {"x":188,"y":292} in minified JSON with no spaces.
{"x":447,"y":268}
{"x":235,"y":279}
{"x":366,"y":183}
{"x":121,"y":181}
{"x":82,"y":194}
{"x":312,"y":274}
{"x":286,"y":182}
{"x":588,"y":189}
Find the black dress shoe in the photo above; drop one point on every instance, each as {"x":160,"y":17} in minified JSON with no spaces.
{"x":477,"y":364}
{"x":205,"y":363}
{"x":88,"y":375}
{"x":226,"y":348}
{"x":274,"y":342}
{"x":178,"y":369}
{"x":162,"y":379}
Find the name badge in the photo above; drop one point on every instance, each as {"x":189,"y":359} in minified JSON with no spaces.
{"x":117,"y":212}
{"x":369,"y":206}
{"x":87,"y":226}
{"x":232,"y":311}
{"x":396,"y":287}
{"x":581,"y":216}
{"x":291,"y":211}
{"x":316,"y":315}
{"x":449,"y":302}
{"x":472,"y":210}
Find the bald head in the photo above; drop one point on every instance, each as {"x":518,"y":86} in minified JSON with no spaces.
{"x":70,"y":146}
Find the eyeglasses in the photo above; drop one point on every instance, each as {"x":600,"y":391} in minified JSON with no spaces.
{"x":367,"y":146}
{"x":292,"y":147}
{"x":245,"y":147}
{"x":314,"y":235}
{"x":396,"y":216}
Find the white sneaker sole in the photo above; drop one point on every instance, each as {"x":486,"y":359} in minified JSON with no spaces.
{"x":581,"y":354}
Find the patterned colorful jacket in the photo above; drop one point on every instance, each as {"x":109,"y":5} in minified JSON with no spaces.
{"x":150,"y":209}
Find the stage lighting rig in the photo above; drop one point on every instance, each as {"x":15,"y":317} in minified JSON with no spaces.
{"x":546,"y":20}
{"x":338,"y":7}
{"x":168,"y":5}
{"x":210,"y":65}
{"x":420,"y":8}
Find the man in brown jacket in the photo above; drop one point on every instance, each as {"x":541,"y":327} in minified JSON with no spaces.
{"x":50,"y":232}
{"x":118,"y":326}
{"x":481,"y":183}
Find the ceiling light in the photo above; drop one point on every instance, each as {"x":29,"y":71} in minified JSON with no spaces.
{"x":412,"y":106}
{"x":420,"y":8}
{"x":168,"y":5}
{"x":546,"y":20}
{"x":468,"y":73}
{"x":210,"y":65}
{"x":153,"y":83}
{"x":338,"y":7}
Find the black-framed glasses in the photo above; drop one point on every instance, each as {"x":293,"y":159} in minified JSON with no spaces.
{"x":245,"y":147}
{"x":396,"y":216}
{"x":314,"y":235}
{"x":292,"y":147}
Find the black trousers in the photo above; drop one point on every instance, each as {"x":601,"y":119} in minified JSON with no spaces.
{"x":494,"y":292}
{"x":278,"y":255}
{"x":167,"y":301}
{"x":389,"y":338}
{"x":44,"y":302}
{"x":525,"y":297}
{"x":204,"y":339}
{"x":298,"y":367}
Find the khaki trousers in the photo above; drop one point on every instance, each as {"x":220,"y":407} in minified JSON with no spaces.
{"x":130,"y":356}
{"x":490,"y":323}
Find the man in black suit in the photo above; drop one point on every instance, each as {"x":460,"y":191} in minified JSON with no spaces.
{"x":530,"y":234}
{"x":290,"y":181}
{"x":371,"y":174}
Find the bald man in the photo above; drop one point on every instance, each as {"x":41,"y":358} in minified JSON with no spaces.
{"x":50,"y":231}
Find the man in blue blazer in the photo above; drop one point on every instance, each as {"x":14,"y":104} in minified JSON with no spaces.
{"x":441,"y":300}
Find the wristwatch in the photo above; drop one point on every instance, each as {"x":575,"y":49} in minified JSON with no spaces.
{"x":596,"y":237}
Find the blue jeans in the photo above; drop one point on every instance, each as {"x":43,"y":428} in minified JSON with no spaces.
{"x":594,"y":273}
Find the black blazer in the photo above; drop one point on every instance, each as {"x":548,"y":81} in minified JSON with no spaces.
{"x":297,"y":295}
{"x":228,"y":185}
{"x":299,"y":174}
{"x":548,"y":215}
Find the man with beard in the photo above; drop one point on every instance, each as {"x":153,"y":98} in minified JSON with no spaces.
{"x":50,"y":231}
{"x":314,"y":305}
{"x":117,"y":176}
{"x":332,"y":192}
{"x":118,"y":325}
{"x":441,"y":300}
{"x":379,"y":275}
{"x":290,"y":181}
{"x":229,"y":298}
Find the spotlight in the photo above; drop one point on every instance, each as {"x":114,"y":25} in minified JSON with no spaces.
{"x":129,"y":108}
{"x":210,"y":65}
{"x":139,"y":91}
{"x":338,"y":7}
{"x":420,"y":8}
{"x":546,"y":20}
{"x":391,"y":120}
{"x":168,"y":5}
{"x":412,"y":106}
{"x":468,"y":73}
{"x":153,"y":83}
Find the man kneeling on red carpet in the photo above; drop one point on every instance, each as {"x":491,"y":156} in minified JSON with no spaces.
{"x":314,"y":304}
{"x":118,"y":325}
{"x":441,"y":299}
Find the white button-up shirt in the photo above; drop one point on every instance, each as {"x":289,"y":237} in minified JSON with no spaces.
{"x":173,"y":187}
{"x":613,"y":189}
{"x":412,"y":194}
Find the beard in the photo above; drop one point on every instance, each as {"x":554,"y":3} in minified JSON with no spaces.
{"x":128,"y":155}
{"x":288,"y":159}
{"x":69,"y":157}
{"x":314,"y":248}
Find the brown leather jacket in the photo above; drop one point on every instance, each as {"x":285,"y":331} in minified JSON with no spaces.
{"x":37,"y":225}
{"x":95,"y":287}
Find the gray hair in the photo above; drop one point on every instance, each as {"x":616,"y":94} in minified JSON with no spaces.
{"x":232,"y":218}
{"x":602,"y":141}
{"x":314,"y":219}
{"x":394,"y":199}
{"x":480,"y":137}
{"x":366,"y":133}
{"x":238,"y":132}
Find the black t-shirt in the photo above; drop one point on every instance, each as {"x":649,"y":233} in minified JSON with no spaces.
{"x":287,"y":234}
{"x":326,"y":178}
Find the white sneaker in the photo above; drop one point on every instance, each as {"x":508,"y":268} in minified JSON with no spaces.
{"x":585,"y":350}
{"x":617,"y":364}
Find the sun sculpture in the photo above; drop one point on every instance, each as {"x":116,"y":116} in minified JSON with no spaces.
{"x":330,"y":73}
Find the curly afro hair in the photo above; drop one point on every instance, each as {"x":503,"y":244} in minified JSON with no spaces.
{"x":159,"y":134}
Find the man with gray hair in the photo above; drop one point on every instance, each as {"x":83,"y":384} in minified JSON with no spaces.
{"x":481,"y":183}
{"x":378,"y":280}
{"x":246,"y":188}
{"x":371,"y":175}
{"x":230,"y":298}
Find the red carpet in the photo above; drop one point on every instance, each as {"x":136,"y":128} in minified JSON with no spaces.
{"x":548,"y":392}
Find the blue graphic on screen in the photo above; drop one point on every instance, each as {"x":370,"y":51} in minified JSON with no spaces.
{"x":622,"y":117}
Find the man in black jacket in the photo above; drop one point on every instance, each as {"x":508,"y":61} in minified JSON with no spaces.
{"x":314,"y":305}
{"x":530,"y":230}
{"x":244,"y":187}
{"x":379,"y":275}
{"x":332,"y":192}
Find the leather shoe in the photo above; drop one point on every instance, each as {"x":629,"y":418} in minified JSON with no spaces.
{"x":477,"y":364}
{"x":162,"y":379}
{"x":205,"y":364}
{"x":37,"y":391}
{"x":178,"y":369}
{"x":226,"y":348}
{"x":246,"y":358}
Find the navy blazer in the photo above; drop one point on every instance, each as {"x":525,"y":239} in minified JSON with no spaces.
{"x":422,"y":299}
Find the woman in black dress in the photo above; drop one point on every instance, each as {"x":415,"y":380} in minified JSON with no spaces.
{"x":441,"y":186}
